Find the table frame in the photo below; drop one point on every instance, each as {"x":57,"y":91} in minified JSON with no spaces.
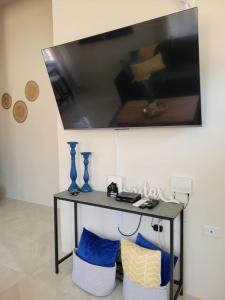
{"x":76,"y":201}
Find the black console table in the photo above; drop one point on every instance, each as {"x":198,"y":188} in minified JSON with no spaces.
{"x":165,"y":211}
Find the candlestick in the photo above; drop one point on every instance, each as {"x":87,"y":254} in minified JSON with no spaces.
{"x":86,"y":187}
{"x":73,"y":172}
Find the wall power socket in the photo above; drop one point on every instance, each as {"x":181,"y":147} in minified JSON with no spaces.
{"x":212,"y":231}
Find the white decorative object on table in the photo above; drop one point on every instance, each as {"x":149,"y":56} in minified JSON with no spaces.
{"x":116,"y":179}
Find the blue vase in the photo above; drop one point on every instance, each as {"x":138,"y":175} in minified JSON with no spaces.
{"x":86,"y":188}
{"x":73,"y":173}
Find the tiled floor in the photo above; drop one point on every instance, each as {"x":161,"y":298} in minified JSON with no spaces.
{"x":27,"y":257}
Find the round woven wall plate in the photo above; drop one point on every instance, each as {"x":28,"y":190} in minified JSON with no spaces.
{"x":20,"y":111}
{"x":31,"y":90}
{"x":6,"y":101}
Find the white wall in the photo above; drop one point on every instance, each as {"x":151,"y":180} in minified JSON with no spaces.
{"x":157,"y":153}
{"x":28,"y":151}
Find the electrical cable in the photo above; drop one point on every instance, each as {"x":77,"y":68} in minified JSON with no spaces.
{"x":158,"y":235}
{"x":188,"y":199}
{"x":128,"y":235}
{"x":187,"y":3}
{"x":152,"y":222}
{"x":117,"y":148}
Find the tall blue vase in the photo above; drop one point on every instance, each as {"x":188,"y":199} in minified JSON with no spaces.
{"x":86,"y":187}
{"x":73,"y":173}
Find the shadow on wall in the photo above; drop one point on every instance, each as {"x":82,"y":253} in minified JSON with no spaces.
{"x":2,"y":192}
{"x":6,"y":146}
{"x":2,"y":50}
{"x":3,"y":79}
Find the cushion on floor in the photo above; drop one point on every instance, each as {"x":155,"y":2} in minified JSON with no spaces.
{"x":96,"y":250}
{"x":141,"y":265}
{"x":165,"y":263}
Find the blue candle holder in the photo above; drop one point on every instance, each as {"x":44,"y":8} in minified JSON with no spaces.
{"x":86,"y":188}
{"x":73,"y":173}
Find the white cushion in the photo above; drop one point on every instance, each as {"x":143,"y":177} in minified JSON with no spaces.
{"x":134,"y":291}
{"x":96,"y":280}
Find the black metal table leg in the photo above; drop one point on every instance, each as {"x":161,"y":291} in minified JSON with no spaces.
{"x":56,"y":235}
{"x":75,"y":225}
{"x":171,"y":258}
{"x":181,"y":251}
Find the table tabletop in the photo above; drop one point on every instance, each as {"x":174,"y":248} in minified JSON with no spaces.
{"x":167,"y":211}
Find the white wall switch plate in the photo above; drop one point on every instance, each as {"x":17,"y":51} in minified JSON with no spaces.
{"x":212,"y":231}
{"x":181,"y":185}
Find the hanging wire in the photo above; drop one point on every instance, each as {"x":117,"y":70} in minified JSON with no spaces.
{"x":136,"y":230}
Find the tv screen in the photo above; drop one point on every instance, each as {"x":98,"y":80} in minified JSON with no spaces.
{"x":145,"y":74}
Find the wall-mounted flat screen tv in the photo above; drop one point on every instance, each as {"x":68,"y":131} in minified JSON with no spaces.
{"x":145,"y":74}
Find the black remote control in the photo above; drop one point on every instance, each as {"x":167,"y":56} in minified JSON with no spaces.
{"x":150,"y":204}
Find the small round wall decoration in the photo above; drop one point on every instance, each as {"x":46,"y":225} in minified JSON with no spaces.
{"x":31,"y":90}
{"x":20,"y":111}
{"x":6,"y":101}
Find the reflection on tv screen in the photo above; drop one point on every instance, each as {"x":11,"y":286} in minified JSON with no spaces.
{"x":141,"y":75}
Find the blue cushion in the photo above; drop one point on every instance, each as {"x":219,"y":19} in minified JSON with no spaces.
{"x":96,"y":250}
{"x":165,"y":263}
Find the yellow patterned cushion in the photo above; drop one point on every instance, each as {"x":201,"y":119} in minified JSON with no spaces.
{"x":147,"y":52}
{"x":144,"y":69}
{"x":141,"y":265}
